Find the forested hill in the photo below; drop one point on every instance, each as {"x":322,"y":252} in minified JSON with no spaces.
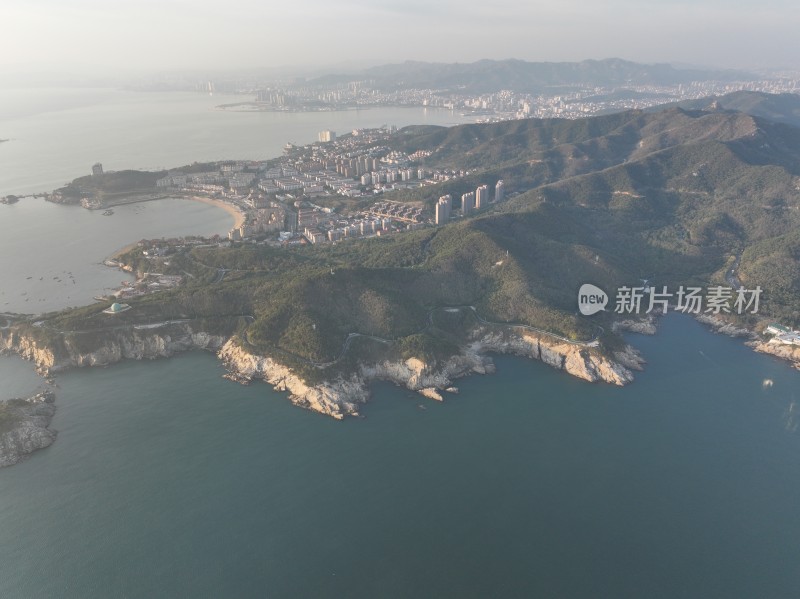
{"x":781,"y":108}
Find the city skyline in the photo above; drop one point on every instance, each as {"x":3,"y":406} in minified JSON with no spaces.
{"x":146,"y":36}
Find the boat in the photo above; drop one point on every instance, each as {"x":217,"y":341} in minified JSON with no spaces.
{"x":108,"y":212}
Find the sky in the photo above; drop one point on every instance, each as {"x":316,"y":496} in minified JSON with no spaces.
{"x":157,"y":35}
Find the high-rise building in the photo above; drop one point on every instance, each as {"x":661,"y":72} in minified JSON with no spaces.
{"x":481,"y":197}
{"x":97,"y":170}
{"x":499,"y":191}
{"x":325,"y":136}
{"x":443,"y":207}
{"x":467,"y":203}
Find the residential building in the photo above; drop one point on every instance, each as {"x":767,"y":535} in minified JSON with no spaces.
{"x":443,"y":207}
{"x":499,"y":191}
{"x":467,"y":203}
{"x":481,"y":197}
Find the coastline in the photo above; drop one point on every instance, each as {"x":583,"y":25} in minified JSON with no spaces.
{"x":236,"y":212}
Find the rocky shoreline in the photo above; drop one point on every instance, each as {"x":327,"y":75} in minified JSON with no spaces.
{"x":343,"y":395}
{"x":790,"y":353}
{"x":24,"y":426}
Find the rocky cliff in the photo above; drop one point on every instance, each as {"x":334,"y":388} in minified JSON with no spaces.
{"x":578,"y":360}
{"x":338,"y":398}
{"x":111,"y":347}
{"x":342,"y":396}
{"x":23,"y":426}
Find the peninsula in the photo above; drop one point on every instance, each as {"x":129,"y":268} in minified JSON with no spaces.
{"x":411,"y":255}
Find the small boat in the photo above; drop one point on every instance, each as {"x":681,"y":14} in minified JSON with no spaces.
{"x":108,"y":212}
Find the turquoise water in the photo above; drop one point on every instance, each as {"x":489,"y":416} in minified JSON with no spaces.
{"x":168,"y":481}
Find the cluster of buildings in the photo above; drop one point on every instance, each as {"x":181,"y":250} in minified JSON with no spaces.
{"x":566,"y":101}
{"x":398,"y":211}
{"x":347,"y":229}
{"x":279,"y":195}
{"x":783,"y":335}
{"x":148,"y":283}
{"x":470,"y":202}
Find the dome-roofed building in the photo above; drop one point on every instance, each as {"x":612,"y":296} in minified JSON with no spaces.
{"x":116,"y":308}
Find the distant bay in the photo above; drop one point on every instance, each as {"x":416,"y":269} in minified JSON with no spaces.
{"x":57,"y":134}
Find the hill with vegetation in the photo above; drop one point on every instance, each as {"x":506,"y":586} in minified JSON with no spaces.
{"x":110,"y":185}
{"x":675,"y":197}
{"x":486,"y":76}
{"x":781,"y":108}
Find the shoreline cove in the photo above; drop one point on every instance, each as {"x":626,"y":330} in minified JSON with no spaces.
{"x":236,"y":212}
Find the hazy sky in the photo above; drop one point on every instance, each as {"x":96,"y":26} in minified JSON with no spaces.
{"x":167,"y":34}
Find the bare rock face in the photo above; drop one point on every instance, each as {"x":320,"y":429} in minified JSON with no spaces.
{"x":132,"y":344}
{"x":23,"y":426}
{"x":431,"y":393}
{"x":13,"y":342}
{"x":416,"y":375}
{"x":338,"y":398}
{"x":342,"y":397}
{"x":578,"y":360}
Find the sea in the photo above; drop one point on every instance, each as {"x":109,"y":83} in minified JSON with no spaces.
{"x":167,"y":480}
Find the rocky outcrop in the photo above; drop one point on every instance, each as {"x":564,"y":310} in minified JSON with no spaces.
{"x":42,"y":356}
{"x":723,"y":327}
{"x":24,"y":426}
{"x":338,"y":398}
{"x":578,"y":360}
{"x":342,"y":397}
{"x":630,"y":358}
{"x":110,"y":347}
{"x":780,"y":350}
{"x":643,"y":327}
{"x":416,"y":375}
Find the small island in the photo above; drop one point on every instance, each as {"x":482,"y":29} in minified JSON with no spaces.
{"x":24,"y":426}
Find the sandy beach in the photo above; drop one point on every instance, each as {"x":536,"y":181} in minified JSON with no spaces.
{"x":236,"y":212}
{"x":231,"y":209}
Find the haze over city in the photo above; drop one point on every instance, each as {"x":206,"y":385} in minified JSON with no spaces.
{"x":89,"y":35}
